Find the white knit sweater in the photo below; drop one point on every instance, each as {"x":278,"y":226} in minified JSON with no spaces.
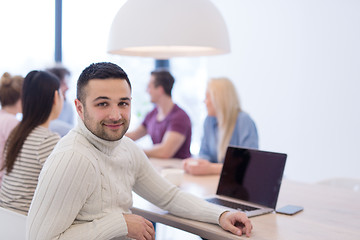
{"x":86,"y":185}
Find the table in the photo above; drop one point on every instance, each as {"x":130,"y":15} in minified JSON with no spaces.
{"x":329,"y":212}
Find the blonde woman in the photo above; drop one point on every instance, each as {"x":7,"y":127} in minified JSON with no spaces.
{"x":10,"y":100}
{"x":226,"y":124}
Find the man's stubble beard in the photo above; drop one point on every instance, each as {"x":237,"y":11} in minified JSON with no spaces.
{"x":99,"y":128}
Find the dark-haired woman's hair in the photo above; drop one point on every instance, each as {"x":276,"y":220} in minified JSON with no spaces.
{"x":37,"y":101}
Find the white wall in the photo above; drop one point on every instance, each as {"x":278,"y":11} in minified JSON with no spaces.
{"x":296,"y":65}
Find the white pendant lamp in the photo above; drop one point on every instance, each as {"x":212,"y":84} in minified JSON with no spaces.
{"x":163,"y":29}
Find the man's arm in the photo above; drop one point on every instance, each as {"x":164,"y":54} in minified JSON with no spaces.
{"x":170,"y":144}
{"x":65,"y":183}
{"x":155,"y":189}
{"x":138,"y":133}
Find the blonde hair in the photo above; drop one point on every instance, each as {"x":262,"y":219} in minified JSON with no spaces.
{"x":227,"y":106}
{"x":10,"y":89}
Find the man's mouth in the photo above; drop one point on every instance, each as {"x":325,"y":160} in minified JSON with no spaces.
{"x":113,"y":125}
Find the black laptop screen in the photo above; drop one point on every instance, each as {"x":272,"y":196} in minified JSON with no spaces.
{"x":252,"y":175}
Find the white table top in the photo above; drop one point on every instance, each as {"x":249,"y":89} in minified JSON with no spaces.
{"x":329,"y":212}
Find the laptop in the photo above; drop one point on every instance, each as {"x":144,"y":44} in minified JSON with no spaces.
{"x":250,"y":180}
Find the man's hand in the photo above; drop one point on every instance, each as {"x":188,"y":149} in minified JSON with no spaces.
{"x":236,"y":222}
{"x":139,"y":228}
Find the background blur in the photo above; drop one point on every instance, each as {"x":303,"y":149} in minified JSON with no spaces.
{"x":295,"y":64}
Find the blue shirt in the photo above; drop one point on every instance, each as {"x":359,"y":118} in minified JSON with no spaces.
{"x":244,"y":135}
{"x":67,"y":113}
{"x":60,"y":127}
{"x":65,"y":122}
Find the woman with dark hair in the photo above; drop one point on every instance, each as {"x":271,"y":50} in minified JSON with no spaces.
{"x":10,"y":100}
{"x":31,"y":142}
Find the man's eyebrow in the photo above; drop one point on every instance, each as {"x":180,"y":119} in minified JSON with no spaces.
{"x":107,"y":98}
{"x":101,"y":98}
{"x":125,"y":99}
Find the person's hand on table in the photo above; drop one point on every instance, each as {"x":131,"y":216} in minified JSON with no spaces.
{"x":236,"y":222}
{"x":201,"y":167}
{"x":139,"y":228}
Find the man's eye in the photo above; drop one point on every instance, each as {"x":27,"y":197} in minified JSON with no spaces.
{"x":102,"y":104}
{"x":123,"y":104}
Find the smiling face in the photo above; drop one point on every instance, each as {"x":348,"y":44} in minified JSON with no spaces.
{"x":106,"y":109}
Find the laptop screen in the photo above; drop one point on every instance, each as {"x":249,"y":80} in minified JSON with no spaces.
{"x":252,"y":175}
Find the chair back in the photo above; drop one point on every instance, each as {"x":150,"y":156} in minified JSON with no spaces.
{"x":12,"y":225}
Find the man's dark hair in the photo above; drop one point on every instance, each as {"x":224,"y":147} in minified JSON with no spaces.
{"x":60,"y":72}
{"x":102,"y":70}
{"x":164,"y":79}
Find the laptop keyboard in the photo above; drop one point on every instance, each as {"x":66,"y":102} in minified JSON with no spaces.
{"x":231,"y":204}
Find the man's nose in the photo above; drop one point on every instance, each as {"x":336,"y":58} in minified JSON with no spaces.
{"x":115,"y":114}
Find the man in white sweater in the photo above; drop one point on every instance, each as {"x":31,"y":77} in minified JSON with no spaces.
{"x":85,"y":187}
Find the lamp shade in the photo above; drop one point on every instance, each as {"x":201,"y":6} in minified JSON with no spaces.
{"x":163,"y":29}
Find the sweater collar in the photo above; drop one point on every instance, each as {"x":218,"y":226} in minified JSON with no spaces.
{"x":102,"y":145}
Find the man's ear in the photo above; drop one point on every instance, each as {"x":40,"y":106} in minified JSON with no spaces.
{"x":79,"y":108}
{"x":162,"y":89}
